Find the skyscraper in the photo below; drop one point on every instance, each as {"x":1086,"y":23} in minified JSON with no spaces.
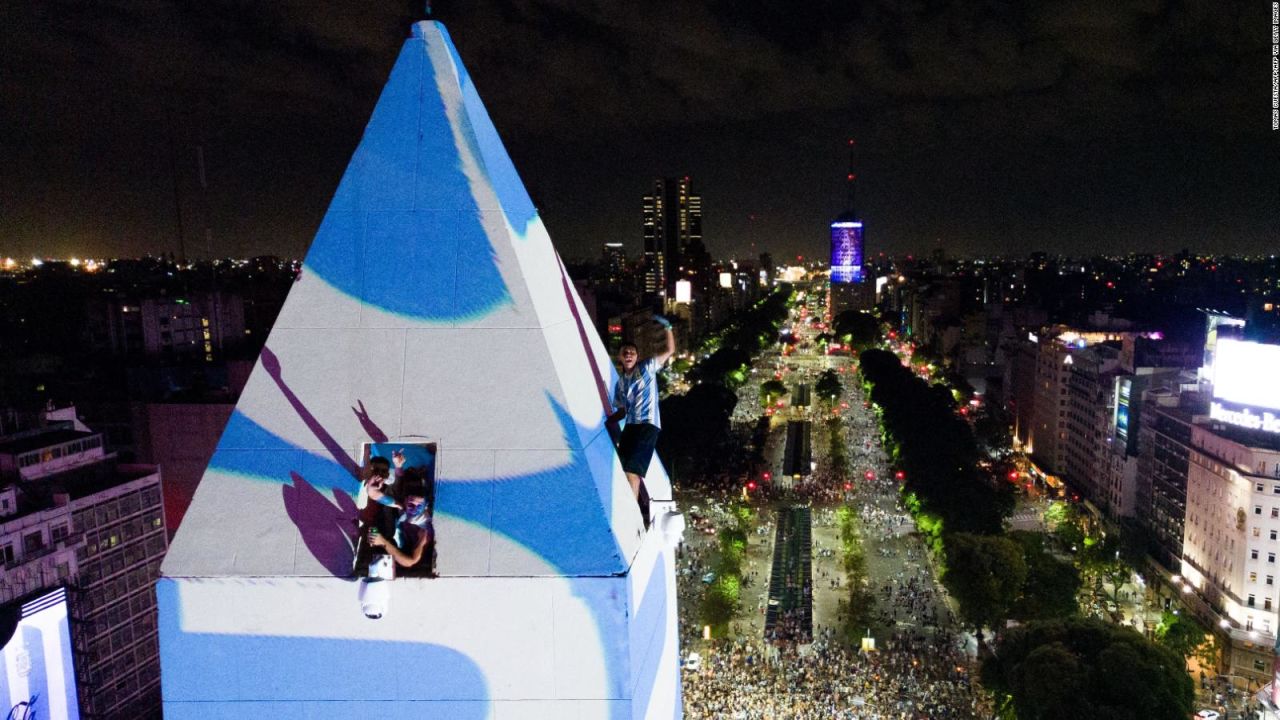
{"x":846,"y":249}
{"x":614,"y":261}
{"x":849,"y":289}
{"x":672,"y":222}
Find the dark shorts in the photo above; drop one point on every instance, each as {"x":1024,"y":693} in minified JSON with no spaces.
{"x":636,"y":447}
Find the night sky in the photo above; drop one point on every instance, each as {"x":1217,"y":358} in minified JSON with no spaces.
{"x":986,"y":127}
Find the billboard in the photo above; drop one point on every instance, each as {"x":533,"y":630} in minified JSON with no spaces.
{"x":1245,"y":373}
{"x":684,"y":291}
{"x":1124,"y":388}
{"x":1246,"y":391}
{"x":846,"y":252}
{"x":38,"y":679}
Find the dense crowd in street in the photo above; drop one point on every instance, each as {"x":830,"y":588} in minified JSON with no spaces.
{"x":920,"y":669}
{"x":910,"y":678}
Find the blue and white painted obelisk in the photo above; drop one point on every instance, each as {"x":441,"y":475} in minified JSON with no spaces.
{"x":433,"y":314}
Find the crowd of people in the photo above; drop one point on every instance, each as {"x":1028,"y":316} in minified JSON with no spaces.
{"x":910,"y":598}
{"x":920,"y":669}
{"x":912,"y":677}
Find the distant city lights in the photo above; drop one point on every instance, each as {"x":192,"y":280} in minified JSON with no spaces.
{"x":10,"y":264}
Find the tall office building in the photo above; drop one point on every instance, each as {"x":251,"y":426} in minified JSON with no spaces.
{"x":846,"y":250}
{"x":849,"y":288}
{"x":614,"y":261}
{"x":672,"y":223}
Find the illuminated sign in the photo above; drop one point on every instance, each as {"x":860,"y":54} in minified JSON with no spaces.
{"x":1123,"y":392}
{"x":38,"y":680}
{"x":726,"y":280}
{"x":684,"y":291}
{"x":794,"y":273}
{"x":1246,"y":418}
{"x":1244,"y":374}
{"x":846,"y":252}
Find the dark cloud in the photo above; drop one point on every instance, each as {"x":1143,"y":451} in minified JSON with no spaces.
{"x":951,"y":101}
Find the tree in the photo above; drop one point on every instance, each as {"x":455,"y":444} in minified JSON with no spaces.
{"x":838,"y":454}
{"x":935,"y":448}
{"x":985,"y":574}
{"x":1181,"y":633}
{"x":1085,"y":668}
{"x":1051,"y":585}
{"x":721,"y":602}
{"x":1098,"y":558}
{"x":828,"y":385}
{"x":861,"y":598}
{"x":1064,"y":519}
{"x":993,"y":429}
{"x":696,"y":428}
{"x":771,"y":390}
{"x":857,"y":328}
{"x":723,"y":595}
{"x":1112,"y":574}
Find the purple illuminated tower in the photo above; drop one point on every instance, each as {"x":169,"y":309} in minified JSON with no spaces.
{"x":849,"y":289}
{"x":846,"y":238}
{"x":846,"y":249}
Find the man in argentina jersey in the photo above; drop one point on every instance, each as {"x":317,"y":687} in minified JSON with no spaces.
{"x":636,"y":398}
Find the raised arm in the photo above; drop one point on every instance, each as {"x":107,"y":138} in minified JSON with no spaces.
{"x":376,"y":488}
{"x":662,"y":357}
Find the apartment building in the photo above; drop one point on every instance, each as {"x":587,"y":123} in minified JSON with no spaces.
{"x":72,"y":517}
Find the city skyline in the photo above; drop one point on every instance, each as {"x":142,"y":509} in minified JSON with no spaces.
{"x":1065,"y":129}
{"x":900,"y":484}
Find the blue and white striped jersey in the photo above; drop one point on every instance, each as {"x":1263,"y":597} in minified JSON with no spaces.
{"x":637,"y":391}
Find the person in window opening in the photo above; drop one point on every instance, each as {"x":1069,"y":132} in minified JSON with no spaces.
{"x":413,"y":530}
{"x":635,"y":398}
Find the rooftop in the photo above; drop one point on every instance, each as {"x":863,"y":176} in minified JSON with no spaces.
{"x":76,"y":484}
{"x":37,"y":439}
